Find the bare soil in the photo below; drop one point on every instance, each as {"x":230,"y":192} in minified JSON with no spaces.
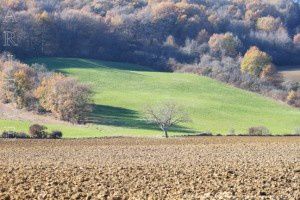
{"x":131,"y":168}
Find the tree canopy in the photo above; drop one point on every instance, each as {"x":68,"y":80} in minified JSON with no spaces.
{"x":136,"y":31}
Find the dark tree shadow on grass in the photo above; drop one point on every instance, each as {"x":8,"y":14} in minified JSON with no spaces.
{"x":121,"y":117}
{"x":57,"y":64}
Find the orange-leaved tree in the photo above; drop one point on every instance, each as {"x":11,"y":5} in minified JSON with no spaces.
{"x":255,"y":61}
{"x":65,"y":97}
{"x":227,"y":44}
{"x":17,"y":82}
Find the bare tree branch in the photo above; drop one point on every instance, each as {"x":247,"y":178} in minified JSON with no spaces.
{"x":166,"y":115}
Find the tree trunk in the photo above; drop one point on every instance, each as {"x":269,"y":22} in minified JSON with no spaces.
{"x":165,"y":130}
{"x":166,"y":134}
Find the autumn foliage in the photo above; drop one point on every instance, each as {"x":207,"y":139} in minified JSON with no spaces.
{"x":137,"y":31}
{"x":64,"y":97}
{"x":226,"y":44}
{"x":268,"y":23}
{"x":255,"y":61}
{"x":17,"y":82}
{"x":33,"y":89}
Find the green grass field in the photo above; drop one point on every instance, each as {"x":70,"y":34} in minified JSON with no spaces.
{"x":122,"y":91}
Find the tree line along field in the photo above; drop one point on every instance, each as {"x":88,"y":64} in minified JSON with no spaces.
{"x":150,"y":32}
{"x":121,"y":92}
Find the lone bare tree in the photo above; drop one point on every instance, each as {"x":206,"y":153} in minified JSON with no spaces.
{"x":166,"y":115}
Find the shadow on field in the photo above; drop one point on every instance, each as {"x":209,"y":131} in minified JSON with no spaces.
{"x":58,"y":64}
{"x":121,"y":117}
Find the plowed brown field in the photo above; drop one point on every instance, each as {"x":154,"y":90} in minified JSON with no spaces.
{"x":130,"y":168}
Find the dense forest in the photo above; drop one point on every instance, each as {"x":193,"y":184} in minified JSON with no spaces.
{"x":150,"y":32}
{"x":239,"y":42}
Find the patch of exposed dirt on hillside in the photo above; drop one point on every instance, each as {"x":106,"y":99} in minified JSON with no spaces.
{"x":8,"y":111}
{"x":127,"y":168}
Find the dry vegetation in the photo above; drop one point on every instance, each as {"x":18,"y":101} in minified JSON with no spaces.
{"x":138,"y":31}
{"x":293,"y":74}
{"x":35,"y":89}
{"x":232,"y":167}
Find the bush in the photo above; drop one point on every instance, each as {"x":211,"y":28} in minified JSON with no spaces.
{"x":268,"y":23}
{"x":205,"y":134}
{"x":37,"y":131}
{"x":17,"y":82}
{"x":65,"y":98}
{"x":255,"y":61}
{"x":35,"y":89}
{"x":22,"y":135}
{"x":259,"y":131}
{"x":55,"y":135}
{"x":8,"y":134}
{"x":13,"y":134}
{"x":226,"y":44}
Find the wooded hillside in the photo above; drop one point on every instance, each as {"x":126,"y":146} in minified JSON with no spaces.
{"x":150,"y":32}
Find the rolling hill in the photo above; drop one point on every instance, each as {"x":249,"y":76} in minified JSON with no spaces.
{"x":123,"y":90}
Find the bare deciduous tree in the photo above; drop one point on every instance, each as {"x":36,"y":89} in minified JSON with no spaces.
{"x":166,"y":115}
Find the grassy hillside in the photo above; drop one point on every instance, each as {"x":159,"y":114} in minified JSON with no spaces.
{"x":122,"y":90}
